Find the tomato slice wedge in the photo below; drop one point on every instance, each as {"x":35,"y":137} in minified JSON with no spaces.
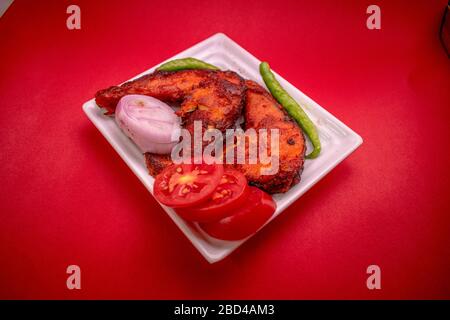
{"x":224,"y":201}
{"x":258,"y":208}
{"x":183,"y":185}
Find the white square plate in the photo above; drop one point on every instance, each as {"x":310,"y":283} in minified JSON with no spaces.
{"x":338,"y":141}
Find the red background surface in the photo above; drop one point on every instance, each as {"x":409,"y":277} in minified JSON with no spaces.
{"x":67,"y":198}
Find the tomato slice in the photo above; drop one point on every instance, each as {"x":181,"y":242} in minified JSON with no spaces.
{"x":258,"y":208}
{"x":224,"y":201}
{"x":183,"y":185}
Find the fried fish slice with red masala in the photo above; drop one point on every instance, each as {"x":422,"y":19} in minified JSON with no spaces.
{"x":165,"y":86}
{"x":261,"y":111}
{"x":214,"y":97}
{"x":157,"y":162}
{"x":217,"y":102}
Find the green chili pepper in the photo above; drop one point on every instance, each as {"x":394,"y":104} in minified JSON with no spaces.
{"x":292,"y":107}
{"x":186,"y":63}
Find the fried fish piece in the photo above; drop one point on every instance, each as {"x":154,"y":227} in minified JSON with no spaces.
{"x":166,"y":86}
{"x":261,"y":111}
{"x":214,"y":97}
{"x":157,"y":162}
{"x":217,"y":102}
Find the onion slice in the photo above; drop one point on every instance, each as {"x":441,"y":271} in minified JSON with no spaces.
{"x":149,"y":122}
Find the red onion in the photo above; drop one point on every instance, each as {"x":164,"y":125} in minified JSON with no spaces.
{"x":149,"y":122}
